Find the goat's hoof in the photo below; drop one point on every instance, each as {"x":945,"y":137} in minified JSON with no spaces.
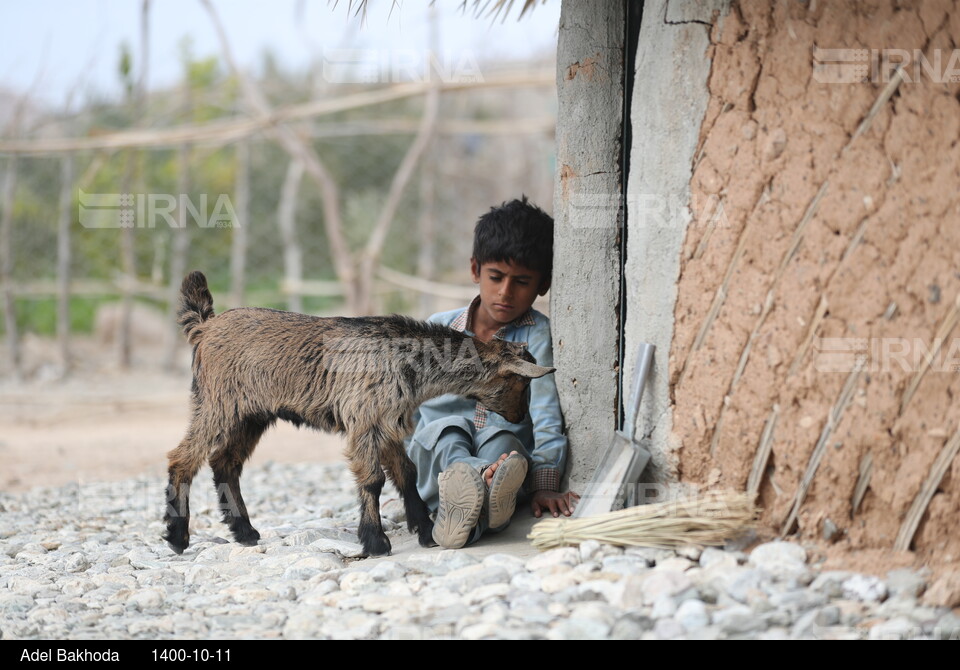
{"x":248,"y":537}
{"x":178,"y":534}
{"x":377,"y":546}
{"x":177,"y":545}
{"x":426,"y":536}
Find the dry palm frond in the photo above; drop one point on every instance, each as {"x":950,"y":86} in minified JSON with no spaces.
{"x":492,"y":8}
{"x":495,"y":8}
{"x":709,"y":519}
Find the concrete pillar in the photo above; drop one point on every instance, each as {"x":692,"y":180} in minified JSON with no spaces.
{"x":586,"y":277}
{"x":669,"y":102}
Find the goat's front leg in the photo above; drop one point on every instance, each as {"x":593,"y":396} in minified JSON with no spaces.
{"x":403,"y":473}
{"x":363,"y":454}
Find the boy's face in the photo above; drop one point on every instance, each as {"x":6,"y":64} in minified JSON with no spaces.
{"x":507,"y":290}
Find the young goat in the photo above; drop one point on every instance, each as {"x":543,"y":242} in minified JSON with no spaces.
{"x":363,"y":377}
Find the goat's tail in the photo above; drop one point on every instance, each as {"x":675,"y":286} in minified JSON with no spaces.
{"x":196,"y":305}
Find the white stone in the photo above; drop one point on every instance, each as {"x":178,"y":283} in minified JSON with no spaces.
{"x":738,"y":620}
{"x":783,"y":560}
{"x":627,"y":564}
{"x":596,"y":611}
{"x":13,"y":602}
{"x":900,"y":628}
{"x":404,"y":632}
{"x":713,"y":556}
{"x":387,"y":571}
{"x":436,"y":598}
{"x":665,"y":582}
{"x":76,"y":562}
{"x":200,"y":574}
{"x":830,"y":583}
{"x":526,"y":581}
{"x":865,"y":588}
{"x":146,"y":599}
{"x":904,"y":582}
{"x":302,"y":625}
{"x":579,"y":629}
{"x":668,"y":629}
{"x":664,"y":607}
{"x":345,"y":549}
{"x":674,"y":564}
{"x":588,"y":550}
{"x":486,"y":592}
{"x":691,"y":552}
{"x":563,"y":557}
{"x":482,"y":630}
{"x":692,"y":614}
{"x":357,"y":582}
{"x":311,"y":566}
{"x":316,"y":594}
{"x":405,"y":606}
{"x":514,"y":565}
{"x":472,"y":576}
{"x":303,"y":537}
{"x":649,"y":554}
{"x":596,"y":589}
{"x":558,"y":582}
{"x":746,"y":584}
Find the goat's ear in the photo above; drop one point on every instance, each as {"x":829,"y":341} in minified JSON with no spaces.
{"x":527,"y":369}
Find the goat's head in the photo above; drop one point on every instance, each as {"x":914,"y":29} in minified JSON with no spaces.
{"x":506,"y":389}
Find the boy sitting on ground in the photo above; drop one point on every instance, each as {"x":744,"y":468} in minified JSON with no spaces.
{"x":471,"y":463}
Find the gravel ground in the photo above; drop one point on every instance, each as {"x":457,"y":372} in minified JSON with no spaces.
{"x":87,"y":562}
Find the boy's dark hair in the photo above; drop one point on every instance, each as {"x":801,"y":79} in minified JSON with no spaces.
{"x":518,"y":232}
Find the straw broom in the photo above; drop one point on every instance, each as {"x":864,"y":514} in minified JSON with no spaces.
{"x":709,"y":519}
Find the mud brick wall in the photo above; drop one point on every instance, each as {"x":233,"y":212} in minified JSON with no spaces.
{"x":838,"y":247}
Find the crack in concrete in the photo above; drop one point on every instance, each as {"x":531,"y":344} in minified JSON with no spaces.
{"x":656,"y":422}
{"x":684,"y":23}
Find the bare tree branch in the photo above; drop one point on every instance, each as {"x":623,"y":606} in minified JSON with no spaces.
{"x":6,"y":266}
{"x":238,"y":244}
{"x":63,"y":260}
{"x":374,"y":247}
{"x":286,"y":222}
{"x":298,"y":149}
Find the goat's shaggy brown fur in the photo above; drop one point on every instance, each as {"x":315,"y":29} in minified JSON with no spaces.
{"x":363,"y":377}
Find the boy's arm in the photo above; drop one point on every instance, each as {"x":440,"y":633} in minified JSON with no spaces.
{"x":549,"y":454}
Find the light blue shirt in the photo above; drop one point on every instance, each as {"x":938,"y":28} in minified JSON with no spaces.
{"x":541,"y":431}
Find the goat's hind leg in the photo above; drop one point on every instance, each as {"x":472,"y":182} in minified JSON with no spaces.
{"x":184,"y":461}
{"x":363,"y":454}
{"x":227,"y":465}
{"x":403,"y":473}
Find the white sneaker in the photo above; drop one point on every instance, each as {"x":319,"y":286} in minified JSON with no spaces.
{"x":461,"y":500}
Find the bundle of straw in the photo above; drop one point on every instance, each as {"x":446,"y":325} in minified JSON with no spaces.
{"x":709,"y":519}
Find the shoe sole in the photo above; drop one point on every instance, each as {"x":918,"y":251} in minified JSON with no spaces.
{"x":507,"y":481}
{"x":461,"y":500}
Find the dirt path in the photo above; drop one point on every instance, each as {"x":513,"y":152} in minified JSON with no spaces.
{"x":116,"y":426}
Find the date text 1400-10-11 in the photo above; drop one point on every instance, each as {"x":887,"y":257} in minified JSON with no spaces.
{"x":202,"y":655}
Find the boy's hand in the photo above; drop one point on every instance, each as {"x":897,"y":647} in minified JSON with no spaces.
{"x":553,"y":502}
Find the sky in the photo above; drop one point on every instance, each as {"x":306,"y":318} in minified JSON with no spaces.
{"x":55,"y":47}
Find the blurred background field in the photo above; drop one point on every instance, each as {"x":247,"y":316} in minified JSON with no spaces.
{"x":324,"y":158}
